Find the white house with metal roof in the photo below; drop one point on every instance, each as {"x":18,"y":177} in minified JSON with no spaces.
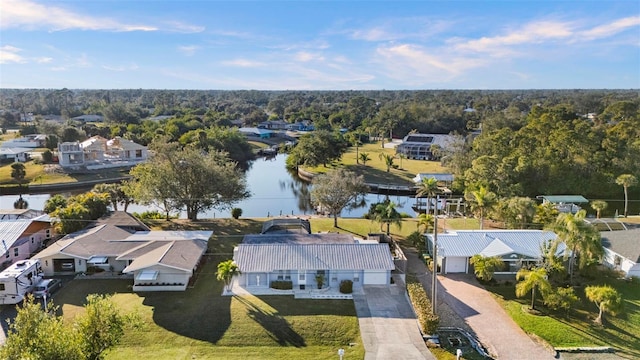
{"x":517,"y":248}
{"x":622,"y":251}
{"x":303,"y":258}
{"x":100,"y":153}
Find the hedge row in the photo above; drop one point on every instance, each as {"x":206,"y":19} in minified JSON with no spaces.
{"x":282,"y":284}
{"x":428,"y":321}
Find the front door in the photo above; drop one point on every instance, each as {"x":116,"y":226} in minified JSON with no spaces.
{"x":302,"y":280}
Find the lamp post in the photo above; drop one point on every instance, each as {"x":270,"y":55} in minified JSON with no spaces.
{"x":341,"y":353}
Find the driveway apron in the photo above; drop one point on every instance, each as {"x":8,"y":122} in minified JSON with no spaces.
{"x":388,"y":325}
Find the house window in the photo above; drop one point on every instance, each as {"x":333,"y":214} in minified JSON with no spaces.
{"x":280,"y":274}
{"x":15,"y":252}
{"x":7,"y":256}
{"x":32,"y":239}
{"x":138,"y":153}
{"x":356,"y":278}
{"x":48,"y":233}
{"x":46,"y":263}
{"x":334,"y":278}
{"x":301,"y":277}
{"x":1,"y":286}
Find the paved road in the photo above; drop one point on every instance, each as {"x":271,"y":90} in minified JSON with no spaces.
{"x":388,"y":325}
{"x":464,"y":303}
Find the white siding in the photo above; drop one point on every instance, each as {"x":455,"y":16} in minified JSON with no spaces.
{"x":375,"y":277}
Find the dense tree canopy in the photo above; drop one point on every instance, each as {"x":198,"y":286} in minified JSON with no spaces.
{"x":187,"y":179}
{"x":337,"y":190}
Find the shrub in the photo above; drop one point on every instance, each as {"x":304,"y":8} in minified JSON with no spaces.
{"x":47,"y":156}
{"x":282,"y":284}
{"x":236,"y":213}
{"x":346,"y":286}
{"x":422,"y":306}
{"x":561,"y":298}
{"x":418,"y":241}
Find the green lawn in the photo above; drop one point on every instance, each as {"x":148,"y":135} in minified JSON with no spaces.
{"x":200,"y":323}
{"x":621,"y":332}
{"x":375,"y":170}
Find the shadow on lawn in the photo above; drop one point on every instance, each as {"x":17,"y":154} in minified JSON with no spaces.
{"x":278,"y":327}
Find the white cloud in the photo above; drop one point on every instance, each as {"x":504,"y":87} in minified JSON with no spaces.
{"x":244,"y":63}
{"x":414,"y":64}
{"x":44,"y":60}
{"x":612,"y":28}
{"x":28,"y":14}
{"x":121,"y":68}
{"x":177,"y":26}
{"x":9,"y":54}
{"x":305,"y":56}
{"x":502,"y":45}
{"x":188,"y":50}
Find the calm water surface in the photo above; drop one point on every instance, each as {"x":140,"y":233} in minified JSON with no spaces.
{"x":274,"y":192}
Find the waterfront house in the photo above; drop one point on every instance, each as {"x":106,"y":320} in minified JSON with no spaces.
{"x":289,"y":252}
{"x":100,"y":153}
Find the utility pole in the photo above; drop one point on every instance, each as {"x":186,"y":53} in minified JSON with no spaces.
{"x":434,"y":281}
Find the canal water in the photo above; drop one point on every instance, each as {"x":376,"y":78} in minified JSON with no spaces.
{"x":274,"y":192}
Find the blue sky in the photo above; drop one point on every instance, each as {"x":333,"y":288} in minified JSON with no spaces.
{"x":319,"y":45}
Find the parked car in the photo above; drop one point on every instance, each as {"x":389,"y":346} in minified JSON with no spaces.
{"x":46,"y":287}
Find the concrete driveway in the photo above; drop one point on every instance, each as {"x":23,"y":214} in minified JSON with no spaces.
{"x":491,"y":324}
{"x":388,"y":325}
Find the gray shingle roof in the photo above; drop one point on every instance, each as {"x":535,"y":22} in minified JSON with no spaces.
{"x":494,"y":242}
{"x":623,"y":242}
{"x":272,"y":257}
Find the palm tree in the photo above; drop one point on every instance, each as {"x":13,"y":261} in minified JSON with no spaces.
{"x":485,"y":266}
{"x":386,"y":213}
{"x":425,"y":220}
{"x":626,"y":180}
{"x":532,"y":280}
{"x":364,"y":157}
{"x":401,"y":156}
{"x":226,"y":271}
{"x":606,"y":298}
{"x":388,"y":160}
{"x":428,"y":187}
{"x":481,"y":201}
{"x":598,"y":206}
{"x":580,"y":237}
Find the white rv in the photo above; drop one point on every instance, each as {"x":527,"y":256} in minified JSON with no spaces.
{"x":18,"y":280}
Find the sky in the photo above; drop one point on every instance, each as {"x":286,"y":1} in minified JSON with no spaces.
{"x":320,"y":45}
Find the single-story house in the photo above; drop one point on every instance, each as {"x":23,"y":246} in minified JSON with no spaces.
{"x":274,"y":125}
{"x":30,"y":141}
{"x":254,"y":131}
{"x":302,"y":258}
{"x":89,"y":118}
{"x":622,"y":251}
{"x":22,"y":237}
{"x":14,"y":154}
{"x":119,"y":243}
{"x":517,"y":248}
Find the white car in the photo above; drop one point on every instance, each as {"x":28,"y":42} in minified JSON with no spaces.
{"x":46,"y":287}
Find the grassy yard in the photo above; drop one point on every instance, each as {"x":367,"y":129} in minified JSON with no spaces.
{"x":621,"y":332}
{"x":36,"y":175}
{"x":201,"y":324}
{"x":375,"y":171}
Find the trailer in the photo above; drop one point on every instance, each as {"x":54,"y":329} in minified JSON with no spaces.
{"x":18,"y":280}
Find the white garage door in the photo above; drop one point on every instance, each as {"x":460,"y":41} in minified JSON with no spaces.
{"x":372,"y":277}
{"x":456,"y":265}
